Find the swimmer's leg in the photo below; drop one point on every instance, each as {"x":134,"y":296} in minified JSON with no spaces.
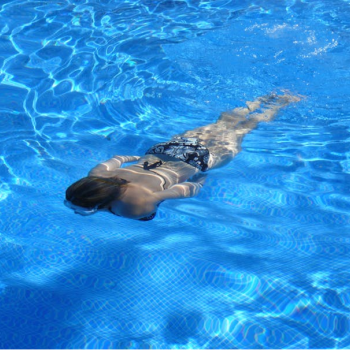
{"x":225,"y":140}
{"x":271,"y":106}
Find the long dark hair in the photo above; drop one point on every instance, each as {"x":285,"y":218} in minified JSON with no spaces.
{"x":95,"y":192}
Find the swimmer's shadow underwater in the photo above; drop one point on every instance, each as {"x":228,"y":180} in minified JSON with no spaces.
{"x":170,"y":170}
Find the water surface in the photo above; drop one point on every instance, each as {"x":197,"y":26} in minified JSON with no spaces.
{"x":260,"y":259}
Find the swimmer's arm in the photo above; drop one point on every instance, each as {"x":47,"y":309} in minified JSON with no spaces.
{"x":183,"y":190}
{"x":110,"y":165}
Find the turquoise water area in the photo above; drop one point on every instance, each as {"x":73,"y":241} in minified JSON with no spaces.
{"x":260,"y":259}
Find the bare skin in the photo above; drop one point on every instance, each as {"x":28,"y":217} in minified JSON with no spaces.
{"x":148,"y":188}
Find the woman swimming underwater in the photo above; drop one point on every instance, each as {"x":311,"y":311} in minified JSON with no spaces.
{"x":136,"y":190}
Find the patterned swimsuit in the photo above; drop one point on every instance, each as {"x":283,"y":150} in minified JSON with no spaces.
{"x":189,"y":150}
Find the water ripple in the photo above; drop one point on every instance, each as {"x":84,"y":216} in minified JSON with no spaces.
{"x":259,"y":259}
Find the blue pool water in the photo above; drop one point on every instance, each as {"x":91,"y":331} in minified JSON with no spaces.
{"x":260,"y":259}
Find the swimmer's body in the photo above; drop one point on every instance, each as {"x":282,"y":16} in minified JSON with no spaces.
{"x":136,"y":190}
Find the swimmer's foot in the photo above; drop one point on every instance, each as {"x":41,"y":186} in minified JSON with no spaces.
{"x":268,"y":105}
{"x":271,"y":104}
{"x":268,"y":101}
{"x":280,"y":100}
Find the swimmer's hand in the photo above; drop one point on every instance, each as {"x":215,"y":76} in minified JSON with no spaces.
{"x":183,"y":190}
{"x":127,"y":159}
{"x":106,"y":168}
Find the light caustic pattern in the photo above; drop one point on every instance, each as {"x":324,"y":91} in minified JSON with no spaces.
{"x":62,"y":59}
{"x":259,"y":260}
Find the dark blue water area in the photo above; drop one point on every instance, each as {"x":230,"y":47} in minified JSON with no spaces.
{"x":260,"y":259}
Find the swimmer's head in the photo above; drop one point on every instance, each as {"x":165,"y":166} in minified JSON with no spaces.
{"x":92,"y":193}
